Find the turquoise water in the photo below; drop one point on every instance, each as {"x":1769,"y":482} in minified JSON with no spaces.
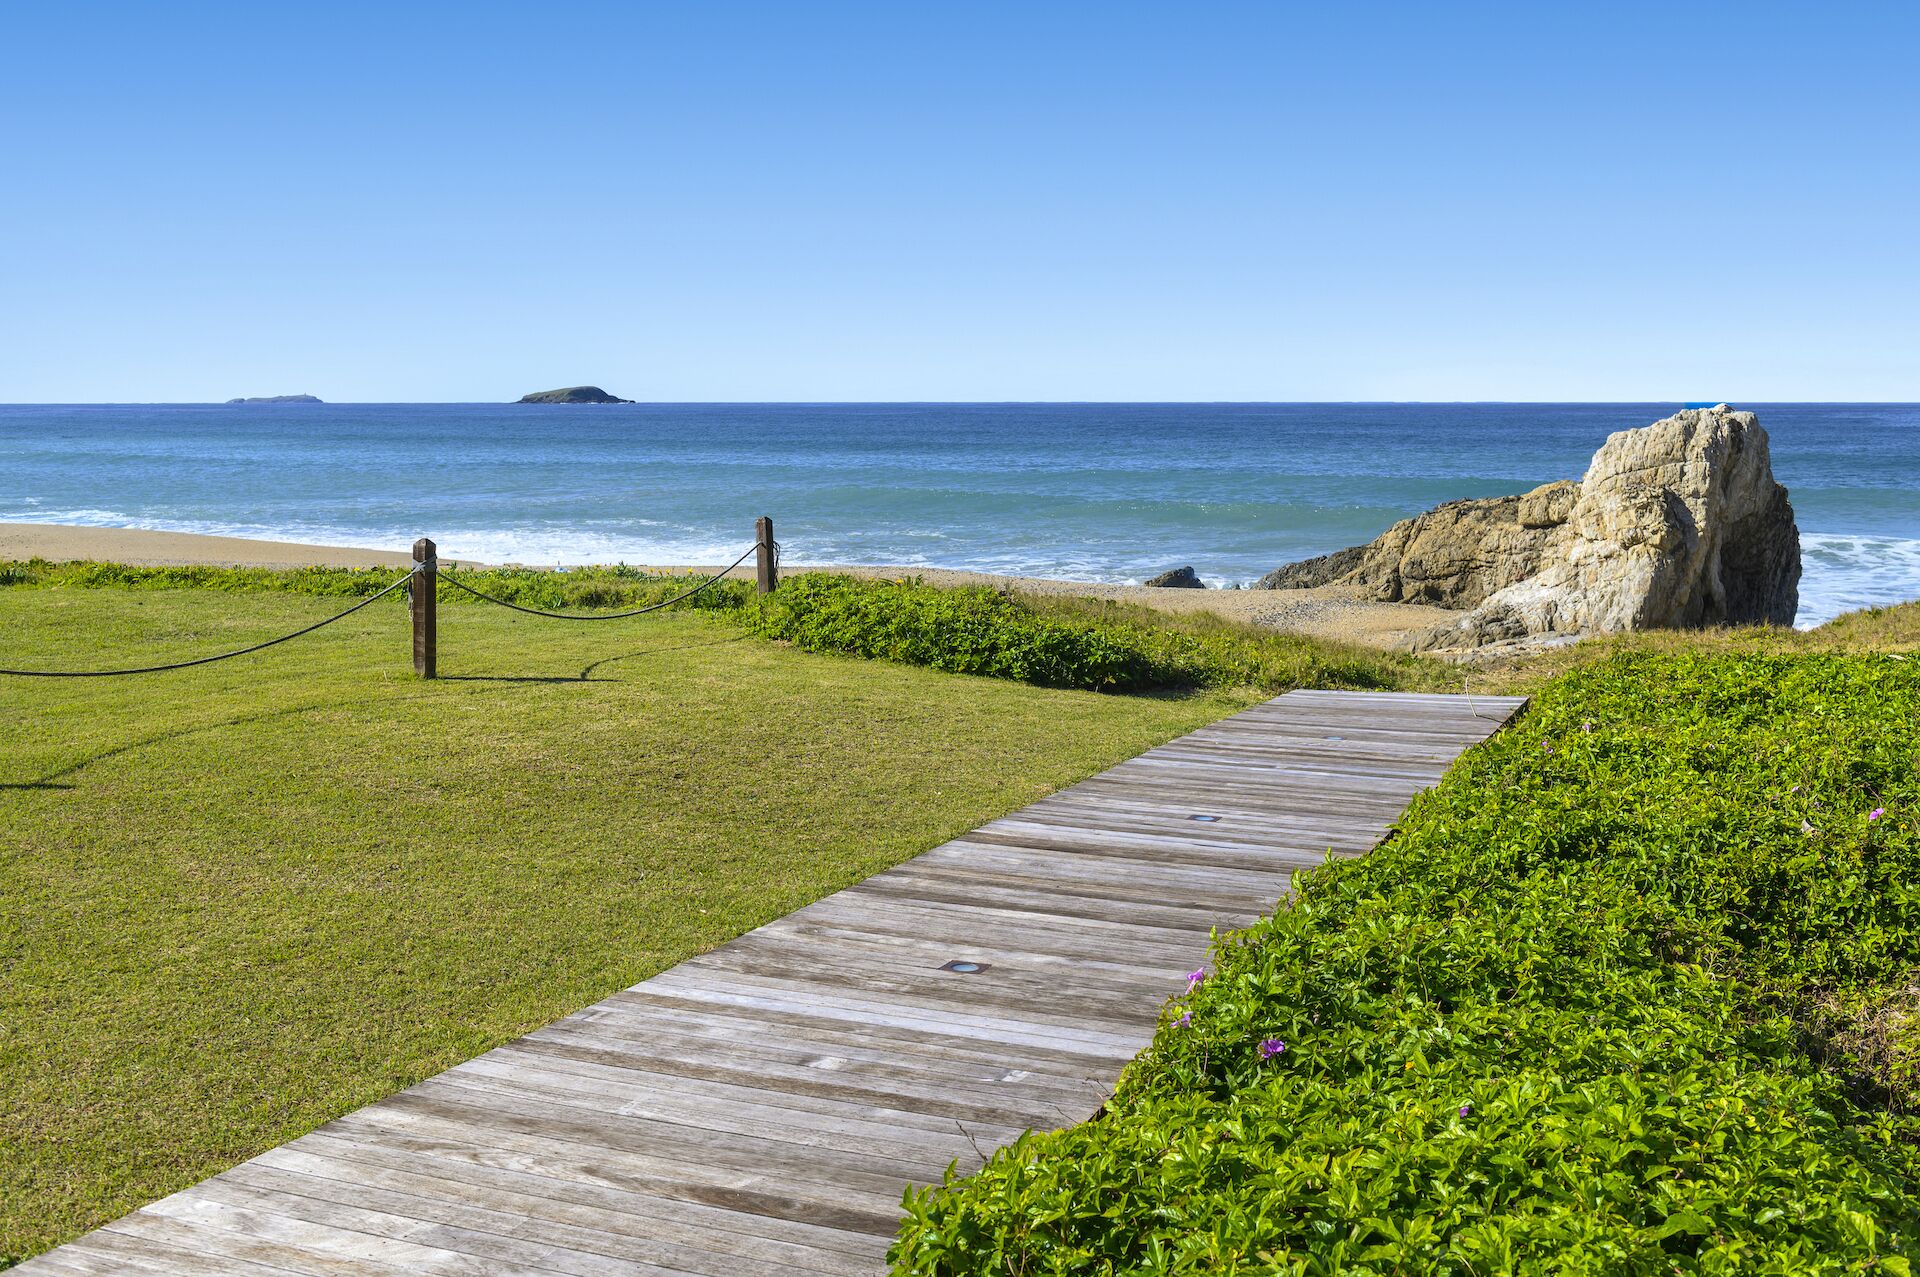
{"x":1107,"y":492}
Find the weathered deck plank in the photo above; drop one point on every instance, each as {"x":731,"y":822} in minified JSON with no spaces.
{"x":761,"y":1107}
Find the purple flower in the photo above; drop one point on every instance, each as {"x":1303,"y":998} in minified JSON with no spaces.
{"x":1194,"y":978}
{"x":1271,"y":1047}
{"x":1466,"y":1110}
{"x":1875,"y":814}
{"x":1586,"y":727}
{"x":1547,"y":747}
{"x":1183,"y":1021}
{"x":1794,"y":790}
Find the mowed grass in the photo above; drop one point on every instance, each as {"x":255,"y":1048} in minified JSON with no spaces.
{"x":242,"y":899}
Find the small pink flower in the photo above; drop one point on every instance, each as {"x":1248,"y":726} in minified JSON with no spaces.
{"x":1875,"y":814}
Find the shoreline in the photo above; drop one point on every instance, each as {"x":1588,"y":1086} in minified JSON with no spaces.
{"x":1327,"y":613}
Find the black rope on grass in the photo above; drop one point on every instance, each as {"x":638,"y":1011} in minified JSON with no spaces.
{"x":224,"y":656}
{"x":455,"y":581}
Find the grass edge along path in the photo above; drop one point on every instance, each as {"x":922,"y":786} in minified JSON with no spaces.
{"x":244,"y":898}
{"x":1632,"y":991}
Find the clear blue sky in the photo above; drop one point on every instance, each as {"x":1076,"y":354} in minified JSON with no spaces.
{"x":710,"y":200}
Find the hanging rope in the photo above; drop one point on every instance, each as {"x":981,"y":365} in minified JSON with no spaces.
{"x":224,"y":656}
{"x":457,"y":583}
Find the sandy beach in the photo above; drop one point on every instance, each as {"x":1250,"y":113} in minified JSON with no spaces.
{"x":1332,"y":612}
{"x":61,"y":542}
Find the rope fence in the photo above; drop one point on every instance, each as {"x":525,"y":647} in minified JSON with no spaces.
{"x":421,"y":585}
{"x":458,"y":584}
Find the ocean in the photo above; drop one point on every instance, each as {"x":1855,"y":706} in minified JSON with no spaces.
{"x":1087,"y":491}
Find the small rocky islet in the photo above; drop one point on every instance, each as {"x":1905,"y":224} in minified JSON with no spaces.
{"x":573,"y":394}
{"x":1676,"y":525}
{"x":279,"y":399}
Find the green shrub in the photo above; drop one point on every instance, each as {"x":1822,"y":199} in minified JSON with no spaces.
{"x":1576,"y":1016}
{"x":974,"y":630}
{"x":980,"y":630}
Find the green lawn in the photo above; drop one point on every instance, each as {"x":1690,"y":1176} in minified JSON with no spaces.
{"x":242,"y":899}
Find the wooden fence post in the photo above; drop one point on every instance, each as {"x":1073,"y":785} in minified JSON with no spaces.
{"x":763,"y":555}
{"x":423,"y":593}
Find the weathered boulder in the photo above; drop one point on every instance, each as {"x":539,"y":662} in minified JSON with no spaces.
{"x":1676,"y":525}
{"x":1178,"y":579}
{"x":1454,"y":555}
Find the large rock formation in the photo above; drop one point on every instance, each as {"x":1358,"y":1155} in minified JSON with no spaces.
{"x":1177,"y":579}
{"x":573,"y":394}
{"x":1676,"y":525}
{"x":1454,"y":555}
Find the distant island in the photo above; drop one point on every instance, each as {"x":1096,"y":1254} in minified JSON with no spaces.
{"x":279,"y":399}
{"x":574,"y":394}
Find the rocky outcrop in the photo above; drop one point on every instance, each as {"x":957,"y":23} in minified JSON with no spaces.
{"x":1675,"y":525}
{"x":573,"y":394}
{"x":1454,"y":555}
{"x":1178,"y":579}
{"x":277,"y":399}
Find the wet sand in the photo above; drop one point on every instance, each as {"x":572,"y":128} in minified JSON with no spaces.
{"x":1331,"y":612}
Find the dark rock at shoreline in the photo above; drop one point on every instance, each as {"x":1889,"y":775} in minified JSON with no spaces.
{"x":1454,"y":555}
{"x":573,"y":394}
{"x":1178,"y":579}
{"x":278,"y":399}
{"x":1320,"y":570}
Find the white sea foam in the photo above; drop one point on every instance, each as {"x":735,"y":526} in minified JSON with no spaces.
{"x":1841,"y":573}
{"x":537,"y":546}
{"x":83,"y":518}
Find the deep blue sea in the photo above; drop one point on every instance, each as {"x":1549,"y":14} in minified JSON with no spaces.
{"x":1107,"y":492}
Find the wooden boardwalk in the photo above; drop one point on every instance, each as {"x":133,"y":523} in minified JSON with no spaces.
{"x":759,"y":1109}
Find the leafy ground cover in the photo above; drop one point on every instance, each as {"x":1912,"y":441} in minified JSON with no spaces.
{"x":1633,"y":991}
{"x":981,"y":630}
{"x":242,"y":899}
